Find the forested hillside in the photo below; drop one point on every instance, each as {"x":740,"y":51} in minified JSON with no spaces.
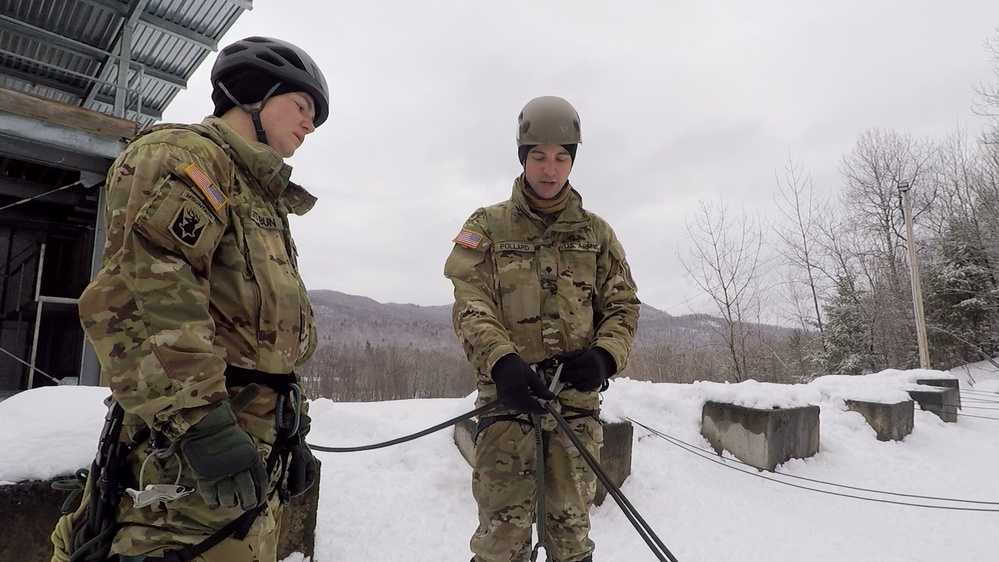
{"x":374,"y":351}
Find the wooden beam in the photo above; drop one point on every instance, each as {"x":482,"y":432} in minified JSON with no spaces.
{"x":66,"y":115}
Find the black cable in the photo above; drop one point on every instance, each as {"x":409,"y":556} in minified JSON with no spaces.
{"x":967,"y":407}
{"x":976,"y":417}
{"x":714,"y":457}
{"x":635,"y":518}
{"x":428,"y":431}
{"x":981,"y":393}
{"x":967,"y":400}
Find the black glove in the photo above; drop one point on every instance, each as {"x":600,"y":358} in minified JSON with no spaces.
{"x":587,"y":369}
{"x":518,"y":386}
{"x":223,"y":457}
{"x":302,"y":465}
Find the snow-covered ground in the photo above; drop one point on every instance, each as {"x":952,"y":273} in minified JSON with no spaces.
{"x":412,"y":501}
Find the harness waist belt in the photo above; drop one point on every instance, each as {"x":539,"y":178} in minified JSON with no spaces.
{"x":240,"y":376}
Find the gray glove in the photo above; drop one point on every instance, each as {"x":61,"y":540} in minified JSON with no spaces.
{"x":223,"y":457}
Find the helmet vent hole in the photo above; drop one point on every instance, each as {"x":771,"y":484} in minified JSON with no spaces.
{"x":270,"y":59}
{"x":290,"y":56}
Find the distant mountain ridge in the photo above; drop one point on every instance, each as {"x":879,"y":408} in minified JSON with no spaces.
{"x":351,"y":319}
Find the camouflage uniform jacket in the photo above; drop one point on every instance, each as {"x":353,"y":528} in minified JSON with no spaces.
{"x":521,"y":286}
{"x":200,"y":272}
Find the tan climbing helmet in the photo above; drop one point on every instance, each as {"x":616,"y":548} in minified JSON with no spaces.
{"x":548,"y":120}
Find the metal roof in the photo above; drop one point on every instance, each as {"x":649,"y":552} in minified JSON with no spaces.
{"x":71,"y":50}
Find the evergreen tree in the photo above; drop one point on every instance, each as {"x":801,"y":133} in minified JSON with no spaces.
{"x":962,"y":301}
{"x":847,"y":332}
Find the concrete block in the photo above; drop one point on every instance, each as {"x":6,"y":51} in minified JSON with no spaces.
{"x":941,"y":402}
{"x":298,"y":522}
{"x":891,"y":422}
{"x":464,"y":438}
{"x":945,"y":383}
{"x":29,"y":512}
{"x":615,"y":456}
{"x":763,"y":438}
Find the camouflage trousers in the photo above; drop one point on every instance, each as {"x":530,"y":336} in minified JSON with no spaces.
{"x":504,"y":483}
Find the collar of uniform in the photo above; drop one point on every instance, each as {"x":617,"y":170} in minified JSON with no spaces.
{"x":299,"y":200}
{"x":569,"y":219}
{"x":258,"y":158}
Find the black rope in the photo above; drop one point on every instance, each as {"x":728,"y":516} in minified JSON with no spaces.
{"x":714,"y":457}
{"x":635,"y":518}
{"x":428,"y":431}
{"x":643,"y":528}
{"x":646,"y":532}
{"x":539,"y":490}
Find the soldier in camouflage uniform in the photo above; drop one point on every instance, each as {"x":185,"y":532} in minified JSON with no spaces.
{"x":199,"y":315}
{"x":539,"y":277}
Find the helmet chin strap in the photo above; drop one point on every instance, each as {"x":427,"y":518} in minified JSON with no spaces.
{"x":254,"y":112}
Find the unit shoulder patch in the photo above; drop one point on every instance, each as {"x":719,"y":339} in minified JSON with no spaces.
{"x":468,"y":239}
{"x":189,"y":223}
{"x":212,"y":194}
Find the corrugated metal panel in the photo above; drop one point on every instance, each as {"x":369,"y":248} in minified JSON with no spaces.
{"x":68,"y":50}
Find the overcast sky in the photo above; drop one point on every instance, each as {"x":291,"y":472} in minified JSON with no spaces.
{"x":678,"y":101}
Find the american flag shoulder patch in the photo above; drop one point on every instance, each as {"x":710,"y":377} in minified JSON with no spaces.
{"x":468,"y":239}
{"x":212,"y":194}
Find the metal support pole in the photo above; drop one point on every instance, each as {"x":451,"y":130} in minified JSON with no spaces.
{"x":90,"y":367}
{"x":124,"y":55}
{"x":38,"y":317}
{"x":917,"y":289}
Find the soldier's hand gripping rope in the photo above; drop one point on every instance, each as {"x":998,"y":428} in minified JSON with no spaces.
{"x":518,"y":386}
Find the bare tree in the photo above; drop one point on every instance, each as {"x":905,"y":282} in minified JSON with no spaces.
{"x":988,"y":103}
{"x":802,"y":212}
{"x":871,"y":203}
{"x":727,"y":263}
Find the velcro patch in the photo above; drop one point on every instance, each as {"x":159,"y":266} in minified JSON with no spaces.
{"x":189,"y":223}
{"x":514,"y":247}
{"x":192,"y":198}
{"x":468,"y":239}
{"x":580,"y":246}
{"x":265,"y":221}
{"x":212,"y":194}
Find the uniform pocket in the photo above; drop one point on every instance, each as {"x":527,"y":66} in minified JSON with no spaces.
{"x":577,"y":277}
{"x":518,"y":283}
{"x":283,"y":306}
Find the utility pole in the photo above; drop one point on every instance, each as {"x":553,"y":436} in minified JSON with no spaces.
{"x":917,"y":288}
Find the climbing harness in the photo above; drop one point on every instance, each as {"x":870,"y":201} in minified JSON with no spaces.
{"x":143,"y":496}
{"x":90,"y":532}
{"x":104,"y":484}
{"x":285,"y":387}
